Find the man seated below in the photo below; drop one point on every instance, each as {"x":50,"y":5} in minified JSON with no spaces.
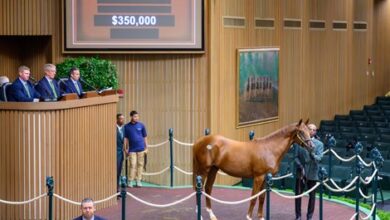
{"x":22,"y":90}
{"x":48,"y":86}
{"x":73,"y":85}
{"x":3,"y":80}
{"x":88,"y":211}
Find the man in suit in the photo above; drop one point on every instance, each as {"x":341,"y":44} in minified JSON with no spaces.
{"x":73,"y":85}
{"x":22,"y":90}
{"x":88,"y":211}
{"x":120,"y":130}
{"x":307,"y":167}
{"x":48,"y":86}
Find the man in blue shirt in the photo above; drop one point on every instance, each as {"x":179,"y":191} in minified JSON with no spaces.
{"x":135,"y":146}
{"x":22,"y":90}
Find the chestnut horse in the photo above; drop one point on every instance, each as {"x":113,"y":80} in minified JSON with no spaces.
{"x":252,"y":159}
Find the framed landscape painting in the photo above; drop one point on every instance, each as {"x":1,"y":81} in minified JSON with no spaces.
{"x":258,"y":85}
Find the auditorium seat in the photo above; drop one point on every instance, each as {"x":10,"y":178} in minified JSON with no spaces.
{"x":364,"y":123}
{"x":5,"y":90}
{"x":374,"y":112}
{"x":382,"y":145}
{"x":378,"y":118}
{"x":368,"y":137}
{"x":384,"y":172}
{"x":347,"y":129}
{"x":385,"y":107}
{"x":359,"y":117}
{"x":328,"y":123}
{"x":383,"y":131}
{"x":342,"y":117}
{"x":383,"y":102}
{"x":380,"y":124}
{"x":346,"y":123}
{"x":366,"y":130}
{"x":357,"y":112}
{"x":384,"y":138}
{"x":371,"y":107}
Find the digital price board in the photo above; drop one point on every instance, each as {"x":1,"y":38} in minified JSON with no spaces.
{"x":146,"y":25}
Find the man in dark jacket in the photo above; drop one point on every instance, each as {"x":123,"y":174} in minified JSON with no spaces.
{"x":307,"y":167}
{"x":88,"y":211}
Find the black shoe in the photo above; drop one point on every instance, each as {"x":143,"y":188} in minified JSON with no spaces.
{"x":298,"y":218}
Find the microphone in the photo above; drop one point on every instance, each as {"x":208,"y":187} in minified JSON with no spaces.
{"x":89,"y":85}
{"x":33,"y":79}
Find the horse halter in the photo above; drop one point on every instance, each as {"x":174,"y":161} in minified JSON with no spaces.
{"x":303,"y":141}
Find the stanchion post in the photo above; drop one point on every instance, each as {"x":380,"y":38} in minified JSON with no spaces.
{"x":50,"y":192}
{"x":123,"y":196}
{"x":206,"y":131}
{"x":359,"y":167}
{"x":171,"y":154}
{"x":330,"y":165}
{"x":375,"y":191}
{"x":378,"y":162}
{"x":198,"y":197}
{"x":322,"y":175}
{"x":268,"y":180}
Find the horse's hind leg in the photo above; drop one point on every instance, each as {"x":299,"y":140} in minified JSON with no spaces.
{"x":257,"y":183}
{"x":208,"y":188}
{"x":261,"y":203}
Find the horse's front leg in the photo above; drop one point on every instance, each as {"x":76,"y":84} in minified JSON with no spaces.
{"x":260,"y":214}
{"x":257,"y":183}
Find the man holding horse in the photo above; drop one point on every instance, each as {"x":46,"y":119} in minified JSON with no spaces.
{"x":307,"y":167}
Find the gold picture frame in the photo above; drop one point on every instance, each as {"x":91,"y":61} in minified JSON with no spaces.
{"x":257,"y":86}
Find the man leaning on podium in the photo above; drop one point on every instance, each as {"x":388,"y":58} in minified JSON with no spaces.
{"x":73,"y":85}
{"x":48,"y":86}
{"x":22,"y":90}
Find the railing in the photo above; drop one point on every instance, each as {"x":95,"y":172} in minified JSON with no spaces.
{"x":325,"y":182}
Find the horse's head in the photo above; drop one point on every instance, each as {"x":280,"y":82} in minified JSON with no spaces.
{"x":302,"y":135}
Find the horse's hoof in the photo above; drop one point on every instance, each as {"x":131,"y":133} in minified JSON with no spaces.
{"x":213,"y":218}
{"x":262,"y":218}
{"x":248,"y":217}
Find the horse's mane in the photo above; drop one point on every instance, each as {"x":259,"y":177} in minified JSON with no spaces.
{"x":284,"y":131}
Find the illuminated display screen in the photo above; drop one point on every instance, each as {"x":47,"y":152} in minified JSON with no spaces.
{"x":133,"y":25}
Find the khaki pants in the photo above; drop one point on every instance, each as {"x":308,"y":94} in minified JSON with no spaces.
{"x":136,"y":165}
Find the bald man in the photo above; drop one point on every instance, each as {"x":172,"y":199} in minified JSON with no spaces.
{"x":307,"y":167}
{"x":88,"y":211}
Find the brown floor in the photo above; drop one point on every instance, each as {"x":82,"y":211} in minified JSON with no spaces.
{"x":281,"y":208}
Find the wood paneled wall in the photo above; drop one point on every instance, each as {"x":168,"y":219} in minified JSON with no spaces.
{"x":67,"y":141}
{"x":322,"y":72}
{"x":382,"y":43}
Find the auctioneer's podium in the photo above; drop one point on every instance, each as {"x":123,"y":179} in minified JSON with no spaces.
{"x":74,"y":141}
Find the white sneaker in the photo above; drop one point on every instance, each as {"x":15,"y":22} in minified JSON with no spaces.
{"x":130,"y":183}
{"x":139,"y":184}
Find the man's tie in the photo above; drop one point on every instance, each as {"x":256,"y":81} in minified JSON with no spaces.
{"x":27,"y":90}
{"x":77,"y":87}
{"x":53,"y":89}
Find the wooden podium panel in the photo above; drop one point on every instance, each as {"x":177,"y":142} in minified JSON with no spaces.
{"x":69,"y":96}
{"x":90,"y":94}
{"x":73,"y":141}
